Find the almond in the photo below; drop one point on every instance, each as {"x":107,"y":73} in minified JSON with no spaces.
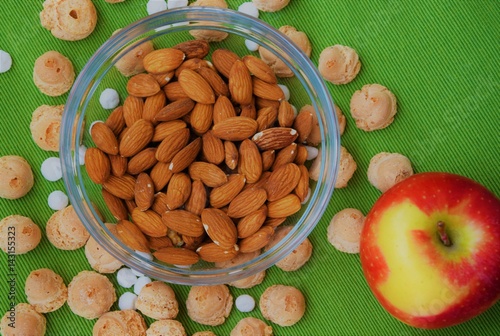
{"x":115,"y":205}
{"x":177,"y":256}
{"x":274,"y":222}
{"x":130,"y":204}
{"x":164,"y":78}
{"x":104,"y":138}
{"x":122,"y":187}
{"x":275,"y":138}
{"x":185,"y":156}
{"x":314,"y":138}
{"x":285,"y":155}
{"x":136,"y":138}
{"x":260,"y":69}
{"x":156,"y":243}
{"x":192,"y":64}
{"x":175,"y":110}
{"x":183,"y":222}
{"x":282,"y":181}
{"x":160,"y":175}
{"x":97,"y":164}
{"x":219,"y":227}
{"x":211,"y":175}
{"x":261,"y":183}
{"x":302,"y":188}
{"x":142,"y":161}
{"x":178,"y":190}
{"x":303,"y":124}
{"x":197,"y":200}
{"x":172,"y":144}
{"x":212,"y":148}
{"x":266,"y":117}
{"x":132,"y":236}
{"x":132,"y":110}
{"x":223,"y":195}
{"x":194,"y":48}
{"x":266,"y":90}
{"x":149,"y":222}
{"x":160,"y":203}
{"x":115,"y":120}
{"x":230,"y":155}
{"x":192,"y":243}
{"x":163,"y":129}
{"x":223,"y":60}
{"x":268,"y":159}
{"x":250,"y":161}
{"x":163,"y":60}
{"x":196,"y":87}
{"x":251,"y":223}
{"x":283,"y":207}
{"x":261,"y":103}
{"x":142,"y":85}
{"x":247,"y":202}
{"x":240,"y":83}
{"x":223,"y":109}
{"x":248,"y":110}
{"x":301,"y":156}
{"x":118,"y":165}
{"x":212,"y":252}
{"x":216,"y":82}
{"x":286,"y":114}
{"x":174,"y":91}
{"x":153,"y":105}
{"x":256,"y":241}
{"x":144,"y":192}
{"x":201,"y":118}
{"x":235,"y":128}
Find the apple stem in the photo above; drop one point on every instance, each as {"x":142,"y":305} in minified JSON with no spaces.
{"x":442,"y":234}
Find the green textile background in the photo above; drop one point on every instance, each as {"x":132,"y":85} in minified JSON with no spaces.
{"x":440,"y":58}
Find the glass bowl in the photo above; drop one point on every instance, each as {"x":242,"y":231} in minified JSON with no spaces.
{"x":166,"y":29}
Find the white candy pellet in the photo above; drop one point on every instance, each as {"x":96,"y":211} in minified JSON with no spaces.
{"x":141,"y":282}
{"x":251,"y":45}
{"x":126,"y":278}
{"x":312,"y":152}
{"x":5,"y":61}
{"x":307,"y":197}
{"x":58,"y":200}
{"x":176,"y":3}
{"x":127,"y":301}
{"x":51,"y":169}
{"x":81,"y":154}
{"x":245,"y":303}
{"x":155,"y":6}
{"x":249,"y":9}
{"x":285,"y":90}
{"x":137,"y":273}
{"x":145,"y":255}
{"x":92,"y":125}
{"x":294,"y":110}
{"x":109,"y":99}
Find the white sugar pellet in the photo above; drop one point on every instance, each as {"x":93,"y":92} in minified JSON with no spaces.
{"x":51,"y":169}
{"x":312,"y":152}
{"x":92,"y":125}
{"x":126,"y":278}
{"x":307,"y":197}
{"x":176,"y":3}
{"x":109,"y":99}
{"x":127,"y":301}
{"x":81,"y":154}
{"x":285,"y":90}
{"x":245,"y":303}
{"x":58,"y":200}
{"x":137,"y":273}
{"x":141,"y":282}
{"x":249,"y":9}
{"x":294,"y":110}
{"x":155,"y":6}
{"x":145,"y":255}
{"x":251,"y":45}
{"x":5,"y":61}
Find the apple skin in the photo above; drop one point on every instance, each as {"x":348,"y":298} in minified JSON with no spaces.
{"x":414,"y":276}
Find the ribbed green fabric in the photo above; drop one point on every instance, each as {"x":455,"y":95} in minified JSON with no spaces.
{"x":440,"y":58}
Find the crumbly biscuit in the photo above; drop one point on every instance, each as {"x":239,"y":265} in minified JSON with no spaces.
{"x":16,"y":177}
{"x":387,"y":169}
{"x":344,"y":230}
{"x":166,"y":327}
{"x":270,"y":5}
{"x":347,"y":167}
{"x":121,"y":322}
{"x":19,"y":234}
{"x":45,"y":290}
{"x":69,"y":20}
{"x":341,"y":119}
{"x":339,"y":64}
{"x":209,"y":305}
{"x":283,"y":305}
{"x":204,"y":333}
{"x":251,"y":326}
{"x":295,"y":259}
{"x":100,"y":259}
{"x":157,"y":300}
{"x":65,"y":230}
{"x":25,"y":319}
{"x":373,"y":107}
{"x":207,"y":34}
{"x":247,"y":282}
{"x":53,"y":73}
{"x":90,"y":294}
{"x":45,"y":126}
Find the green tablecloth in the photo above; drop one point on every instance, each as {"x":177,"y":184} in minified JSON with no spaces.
{"x":440,"y":58}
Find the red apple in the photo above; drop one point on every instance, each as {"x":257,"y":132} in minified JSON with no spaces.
{"x":430,"y":250}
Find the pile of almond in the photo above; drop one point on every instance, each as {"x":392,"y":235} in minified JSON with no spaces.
{"x":204,"y":159}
